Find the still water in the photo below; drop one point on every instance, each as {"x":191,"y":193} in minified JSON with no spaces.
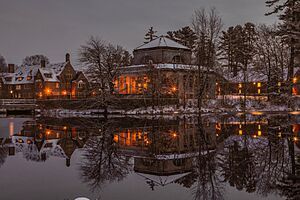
{"x":212,"y":157}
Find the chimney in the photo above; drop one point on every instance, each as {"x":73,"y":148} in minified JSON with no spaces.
{"x":43,"y":63}
{"x":11,"y":68}
{"x":67,"y":57}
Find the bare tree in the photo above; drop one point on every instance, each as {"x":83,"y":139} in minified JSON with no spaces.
{"x":207,"y":27}
{"x":35,"y":60}
{"x":103,"y":61}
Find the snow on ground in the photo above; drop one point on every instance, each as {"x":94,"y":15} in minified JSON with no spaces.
{"x":255,"y":106}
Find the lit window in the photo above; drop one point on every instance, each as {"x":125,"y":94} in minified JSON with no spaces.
{"x":258,"y":84}
{"x":279,"y":84}
{"x":240,"y":91}
{"x":240,"y":132}
{"x":18,"y":87}
{"x":80,"y":85}
{"x":29,"y":78}
{"x":56,"y":85}
{"x":258,"y":91}
{"x":240,"y":85}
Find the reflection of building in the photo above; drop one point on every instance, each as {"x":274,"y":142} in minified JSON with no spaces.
{"x":39,"y":141}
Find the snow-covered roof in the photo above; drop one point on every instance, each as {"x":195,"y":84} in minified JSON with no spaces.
{"x":26,"y":74}
{"x":161,"y":66}
{"x":162,"y":41}
{"x":163,"y":180}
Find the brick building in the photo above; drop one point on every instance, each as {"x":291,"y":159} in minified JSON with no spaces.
{"x":47,"y":81}
{"x":162,"y":68}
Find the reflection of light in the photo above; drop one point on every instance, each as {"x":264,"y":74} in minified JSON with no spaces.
{"x":11,"y":128}
{"x":259,"y":133}
{"x":295,"y":113}
{"x":257,"y":113}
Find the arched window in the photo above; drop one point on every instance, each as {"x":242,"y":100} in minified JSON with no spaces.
{"x":147,"y":59}
{"x":177,"y":59}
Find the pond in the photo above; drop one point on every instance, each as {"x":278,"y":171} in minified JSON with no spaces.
{"x":208,"y":157}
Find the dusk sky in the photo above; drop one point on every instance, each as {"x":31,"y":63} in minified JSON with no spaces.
{"x":53,"y":27}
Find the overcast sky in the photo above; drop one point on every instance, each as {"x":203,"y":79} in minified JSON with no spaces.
{"x":54,"y":27}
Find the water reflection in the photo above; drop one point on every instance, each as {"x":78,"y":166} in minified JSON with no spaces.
{"x":206,"y":155}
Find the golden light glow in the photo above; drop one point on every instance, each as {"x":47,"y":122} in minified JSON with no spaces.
{"x":47,"y":91}
{"x":279,"y":84}
{"x":259,"y":133}
{"x":240,"y":132}
{"x":65,"y":128}
{"x":279,"y":134}
{"x":40,"y":94}
{"x":174,"y":89}
{"x":11,"y":91}
{"x":64,"y":92}
{"x":240,"y":91}
{"x":258,"y":91}
{"x":48,"y":132}
{"x":259,"y":127}
{"x":258,"y":84}
{"x":295,"y":80}
{"x":255,"y":136}
{"x":295,"y":139}
{"x":240,"y":85}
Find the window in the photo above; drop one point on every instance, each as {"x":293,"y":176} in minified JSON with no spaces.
{"x":8,"y":79}
{"x":80,"y":84}
{"x":68,"y":75}
{"x":18,"y":87}
{"x":57,"y":85}
{"x":29,"y":78}
{"x":48,"y":75}
{"x":177,"y":59}
{"x":26,"y":86}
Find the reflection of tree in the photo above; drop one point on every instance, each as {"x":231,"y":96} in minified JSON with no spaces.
{"x":3,"y":155}
{"x":289,"y":185}
{"x":208,"y":185}
{"x":238,"y":168}
{"x":101,"y":161}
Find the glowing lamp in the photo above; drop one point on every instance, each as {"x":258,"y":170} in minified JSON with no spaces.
{"x":295,"y":139}
{"x":64,"y":92}
{"x":295,"y":80}
{"x":11,"y":91}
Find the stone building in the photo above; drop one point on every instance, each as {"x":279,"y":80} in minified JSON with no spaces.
{"x":163,"y":68}
{"x":42,"y":81}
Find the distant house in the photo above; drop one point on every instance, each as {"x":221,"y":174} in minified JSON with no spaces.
{"x":162,"y":68}
{"x":255,"y":83}
{"x":42,"y":81}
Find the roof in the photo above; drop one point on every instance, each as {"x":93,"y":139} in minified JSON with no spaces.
{"x":162,"y":41}
{"x":25,"y":74}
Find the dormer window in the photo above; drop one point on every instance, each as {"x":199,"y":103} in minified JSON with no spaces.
{"x":48,"y":75}
{"x":29,"y":78}
{"x":8,"y":78}
{"x":19,"y":79}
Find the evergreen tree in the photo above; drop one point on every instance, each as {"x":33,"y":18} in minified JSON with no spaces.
{"x":185,"y":36}
{"x":289,"y":11}
{"x":150,"y":35}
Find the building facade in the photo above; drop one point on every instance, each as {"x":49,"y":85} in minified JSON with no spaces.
{"x":44,"y":81}
{"x":163,"y":68}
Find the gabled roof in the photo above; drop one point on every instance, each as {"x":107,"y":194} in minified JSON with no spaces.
{"x":22,"y":72}
{"x":162,"y":41}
